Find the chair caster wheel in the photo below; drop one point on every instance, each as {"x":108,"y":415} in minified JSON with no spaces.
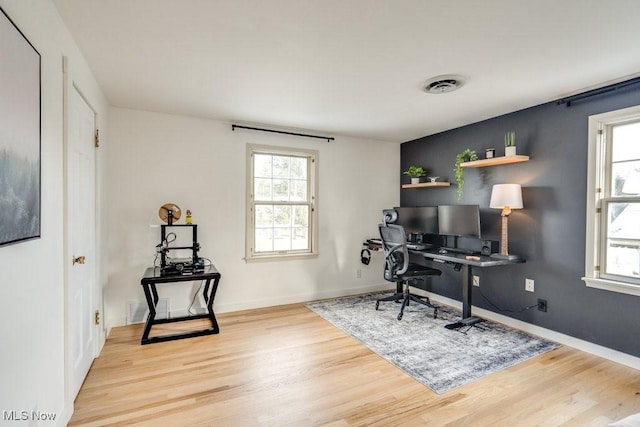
{"x":435,"y":313}
{"x":377,"y":304}
{"x":400,"y":316}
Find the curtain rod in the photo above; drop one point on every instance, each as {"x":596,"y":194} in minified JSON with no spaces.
{"x":569,"y":99}
{"x":328,"y":138}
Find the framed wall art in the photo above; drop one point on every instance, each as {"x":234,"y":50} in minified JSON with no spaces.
{"x":19,"y":135}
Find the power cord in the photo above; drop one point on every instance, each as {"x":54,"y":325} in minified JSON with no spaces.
{"x":195,"y":295}
{"x":504,"y":309}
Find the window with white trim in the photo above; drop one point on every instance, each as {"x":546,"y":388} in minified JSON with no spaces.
{"x":613,"y":202}
{"x":281,"y":202}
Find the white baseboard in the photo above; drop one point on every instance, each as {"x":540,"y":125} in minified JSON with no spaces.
{"x":270,"y":302}
{"x":586,"y":346}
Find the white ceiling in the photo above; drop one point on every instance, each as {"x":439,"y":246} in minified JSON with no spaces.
{"x":351,"y":67}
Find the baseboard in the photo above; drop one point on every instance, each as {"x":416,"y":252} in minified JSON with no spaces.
{"x":586,"y":346}
{"x":271,"y":302}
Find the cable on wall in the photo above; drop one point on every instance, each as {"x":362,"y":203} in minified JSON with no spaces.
{"x":328,"y":138}
{"x":595,"y":92}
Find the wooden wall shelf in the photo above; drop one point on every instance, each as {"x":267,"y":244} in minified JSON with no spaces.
{"x":427,"y":184}
{"x":504,"y":160}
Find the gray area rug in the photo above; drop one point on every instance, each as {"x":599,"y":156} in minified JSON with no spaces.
{"x":420,"y":345}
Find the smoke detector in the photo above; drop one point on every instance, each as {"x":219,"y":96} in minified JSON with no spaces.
{"x":443,"y":84}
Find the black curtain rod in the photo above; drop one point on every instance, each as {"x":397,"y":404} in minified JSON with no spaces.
{"x":328,"y":138}
{"x":568,"y":100}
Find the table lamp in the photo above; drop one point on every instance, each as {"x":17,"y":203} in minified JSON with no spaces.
{"x":505,"y":197}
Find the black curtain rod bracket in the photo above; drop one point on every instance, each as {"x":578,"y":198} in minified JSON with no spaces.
{"x":328,"y":138}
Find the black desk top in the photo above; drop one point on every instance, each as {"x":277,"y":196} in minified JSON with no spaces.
{"x":154,"y":275}
{"x":474,"y":260}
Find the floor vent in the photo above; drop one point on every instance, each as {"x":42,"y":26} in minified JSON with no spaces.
{"x":138,"y":311}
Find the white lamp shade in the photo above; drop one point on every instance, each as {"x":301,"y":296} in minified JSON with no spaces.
{"x":506,"y":195}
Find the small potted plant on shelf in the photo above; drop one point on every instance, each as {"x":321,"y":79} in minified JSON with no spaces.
{"x":510,"y":144}
{"x":466,"y":156}
{"x":415,"y":172}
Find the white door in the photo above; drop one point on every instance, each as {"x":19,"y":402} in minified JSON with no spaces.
{"x":80,"y":157}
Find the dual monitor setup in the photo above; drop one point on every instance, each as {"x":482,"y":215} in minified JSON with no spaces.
{"x":454,"y":228}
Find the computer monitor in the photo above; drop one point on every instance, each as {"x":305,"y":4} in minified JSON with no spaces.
{"x":418,"y":219}
{"x":459,"y":220}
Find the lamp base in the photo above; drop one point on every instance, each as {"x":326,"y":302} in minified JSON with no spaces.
{"x":509,"y":257}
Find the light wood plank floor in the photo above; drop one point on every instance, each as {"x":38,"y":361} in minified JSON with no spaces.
{"x":286,"y":366}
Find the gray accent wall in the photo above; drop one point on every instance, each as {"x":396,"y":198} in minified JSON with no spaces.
{"x":549,"y":232}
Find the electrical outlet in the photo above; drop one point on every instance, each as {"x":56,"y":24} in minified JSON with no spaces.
{"x":542,"y":304}
{"x":476,"y":280}
{"x":529,"y":285}
{"x":359,"y":273}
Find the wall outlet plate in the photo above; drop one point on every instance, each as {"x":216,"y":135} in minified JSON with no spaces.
{"x":529,"y":285}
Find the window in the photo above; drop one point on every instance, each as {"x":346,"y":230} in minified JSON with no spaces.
{"x":281,"y":202}
{"x":613,"y":202}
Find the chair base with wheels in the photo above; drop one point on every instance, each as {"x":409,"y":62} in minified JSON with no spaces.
{"x":406,"y":296}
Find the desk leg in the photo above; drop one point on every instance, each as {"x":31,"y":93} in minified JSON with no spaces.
{"x":148,"y":289}
{"x":209,"y":297}
{"x":467,"y":318}
{"x":467,"y":282}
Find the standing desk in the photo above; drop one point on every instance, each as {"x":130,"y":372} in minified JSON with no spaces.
{"x":153,"y":276}
{"x":465,"y":264}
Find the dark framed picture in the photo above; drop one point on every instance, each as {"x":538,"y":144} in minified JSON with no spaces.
{"x":19,"y":135}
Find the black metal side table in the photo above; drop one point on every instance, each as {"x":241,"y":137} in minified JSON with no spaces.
{"x":153,"y":276}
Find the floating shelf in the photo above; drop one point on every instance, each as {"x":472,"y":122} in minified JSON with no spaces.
{"x":504,"y":160}
{"x":427,"y":184}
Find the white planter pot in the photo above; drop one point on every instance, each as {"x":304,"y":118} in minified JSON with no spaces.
{"x":415,"y":180}
{"x":510,"y":151}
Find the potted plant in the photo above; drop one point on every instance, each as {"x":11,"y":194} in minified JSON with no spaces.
{"x":415,"y":172}
{"x":510,"y":144}
{"x":466,"y":156}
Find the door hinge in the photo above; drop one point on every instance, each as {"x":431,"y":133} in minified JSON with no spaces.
{"x":97,"y":139}
{"x":596,"y":268}
{"x":598,"y":210}
{"x":600,"y":131}
{"x":96,"y":318}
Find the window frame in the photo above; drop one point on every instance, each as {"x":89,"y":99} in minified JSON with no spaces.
{"x":598,"y":199}
{"x":312,"y":202}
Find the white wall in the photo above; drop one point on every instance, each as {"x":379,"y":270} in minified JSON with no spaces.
{"x":200,"y":165}
{"x":32,"y":316}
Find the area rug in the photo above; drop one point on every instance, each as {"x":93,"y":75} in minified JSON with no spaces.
{"x":440,"y":358}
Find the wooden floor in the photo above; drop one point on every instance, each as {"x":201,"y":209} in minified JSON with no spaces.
{"x":286,"y":366}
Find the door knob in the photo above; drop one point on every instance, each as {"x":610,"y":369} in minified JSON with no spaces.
{"x":79,"y":260}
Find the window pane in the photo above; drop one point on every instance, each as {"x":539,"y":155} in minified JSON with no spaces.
{"x":625,"y":178}
{"x":300,"y":239}
{"x":281,"y":166}
{"x":282,"y":239}
{"x":282,"y":216}
{"x":298,"y":191}
{"x":281,"y":190}
{"x":623,"y":239}
{"x":263,"y":189}
{"x":262,"y":165}
{"x":264,"y":240}
{"x":264,"y":216}
{"x":301,"y":218}
{"x":626,"y":142}
{"x":299,"y":168}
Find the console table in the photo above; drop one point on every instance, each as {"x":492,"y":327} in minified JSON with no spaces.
{"x":153,"y":276}
{"x":465,"y":263}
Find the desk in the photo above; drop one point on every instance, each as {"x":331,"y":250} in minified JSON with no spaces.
{"x":153,"y":277}
{"x":460,"y":262}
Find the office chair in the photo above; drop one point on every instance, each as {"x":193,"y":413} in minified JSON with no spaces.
{"x":398,"y":269}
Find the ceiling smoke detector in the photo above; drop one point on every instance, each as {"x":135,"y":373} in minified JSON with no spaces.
{"x":443,"y":84}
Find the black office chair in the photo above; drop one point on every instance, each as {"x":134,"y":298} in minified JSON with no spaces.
{"x":398,"y":269}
